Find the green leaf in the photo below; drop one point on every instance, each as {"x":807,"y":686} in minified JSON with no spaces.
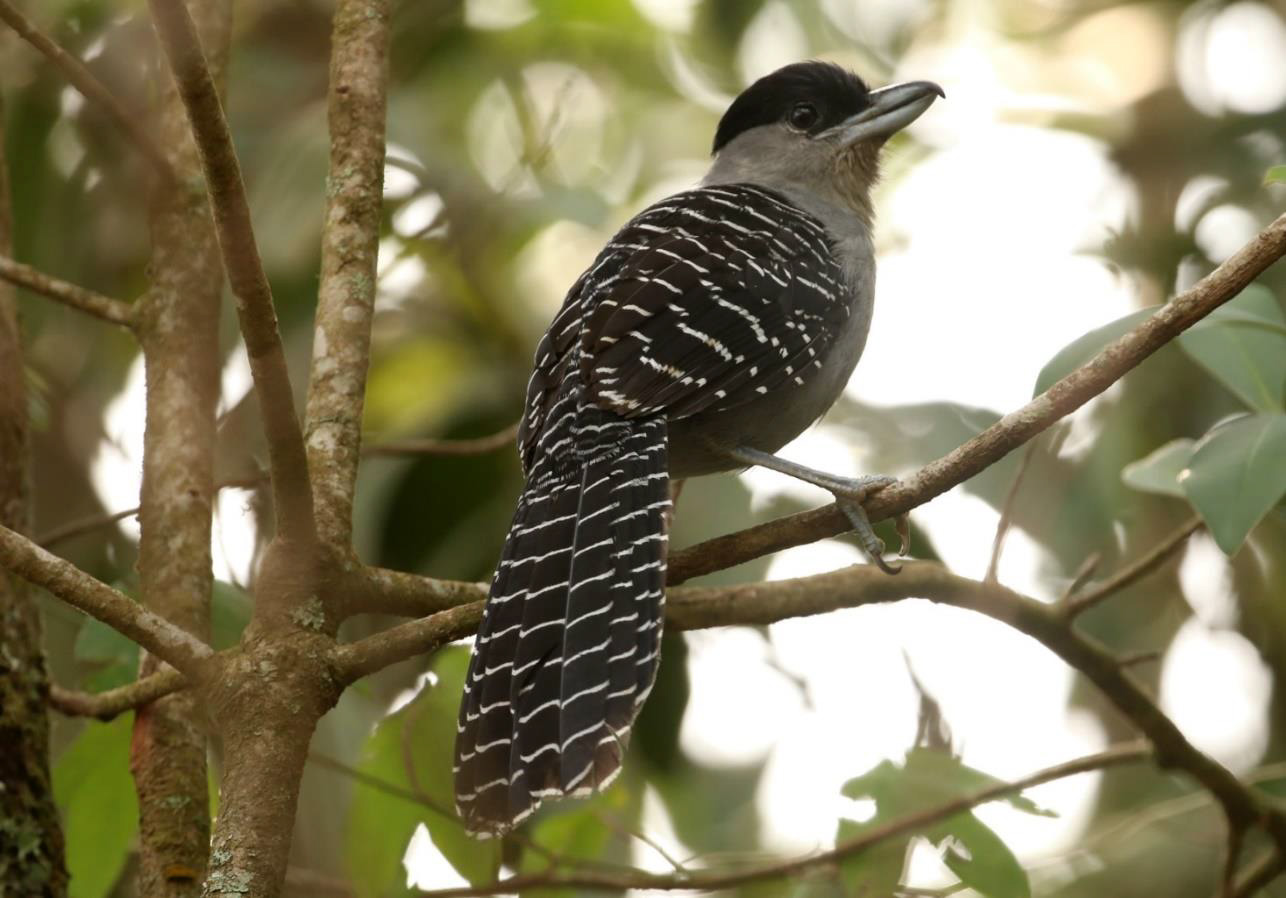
{"x":878,"y":870}
{"x":113,"y":656}
{"x":1158,"y":472}
{"x":229,"y":613}
{"x":1085,"y":347}
{"x":382,"y":820}
{"x":1275,"y":175}
{"x":986,"y":864}
{"x":1236,"y":474}
{"x":944,"y":777}
{"x":1243,"y":347}
{"x":93,"y":788}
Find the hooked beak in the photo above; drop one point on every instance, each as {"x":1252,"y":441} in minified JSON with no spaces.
{"x":892,"y":109}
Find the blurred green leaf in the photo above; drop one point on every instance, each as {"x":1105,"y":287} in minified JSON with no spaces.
{"x":575,"y":833}
{"x":1243,"y":347}
{"x":1275,"y":175}
{"x":93,"y":788}
{"x":986,"y":864}
{"x":113,"y":656}
{"x":229,"y":613}
{"x":927,"y":779}
{"x":1236,"y":474}
{"x":1158,"y":472}
{"x":382,"y":821}
{"x":1085,"y":347}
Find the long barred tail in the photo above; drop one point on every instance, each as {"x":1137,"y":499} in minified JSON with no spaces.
{"x":570,"y":639}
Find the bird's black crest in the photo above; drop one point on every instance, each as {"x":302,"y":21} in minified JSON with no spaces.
{"x":834,"y":92}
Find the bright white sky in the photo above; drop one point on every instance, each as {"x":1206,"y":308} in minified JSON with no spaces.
{"x":997,"y":182}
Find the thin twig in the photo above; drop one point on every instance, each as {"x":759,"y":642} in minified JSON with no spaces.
{"x":1135,"y":570}
{"x":1270,"y":865}
{"x":160,"y":637}
{"x":1082,"y":575}
{"x":94,"y":522}
{"x":711,"y":881}
{"x":1134,"y":659}
{"x":475,"y":446}
{"x":1011,"y":431}
{"x":102,"y":307}
{"x":113,"y":702}
{"x":90,"y":87}
{"x":292,"y":492}
{"x":1006,"y":512}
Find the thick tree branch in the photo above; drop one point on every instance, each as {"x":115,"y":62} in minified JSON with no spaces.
{"x":177,"y":323}
{"x":350,"y":247}
{"x":171,"y":644}
{"x":90,"y":87}
{"x":288,"y":461}
{"x":711,"y":881}
{"x":377,"y":590}
{"x":113,"y":702}
{"x":104,"y":307}
{"x":763,"y":603}
{"x":1009,"y":432}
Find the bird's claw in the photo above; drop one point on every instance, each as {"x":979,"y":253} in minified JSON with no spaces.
{"x":850,"y":499}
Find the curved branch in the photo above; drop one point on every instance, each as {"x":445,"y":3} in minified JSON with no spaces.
{"x":292,"y":494}
{"x":1011,"y":431}
{"x":1124,"y":754}
{"x":763,"y":603}
{"x":103,"y":307}
{"x":112,"y":702}
{"x":90,"y":87}
{"x":171,"y":644}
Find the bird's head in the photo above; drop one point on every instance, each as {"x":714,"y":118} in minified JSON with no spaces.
{"x":815,"y":127}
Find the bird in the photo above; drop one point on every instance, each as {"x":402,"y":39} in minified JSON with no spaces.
{"x":715,"y":326}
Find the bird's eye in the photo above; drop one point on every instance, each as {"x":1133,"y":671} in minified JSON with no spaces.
{"x":803,"y":116}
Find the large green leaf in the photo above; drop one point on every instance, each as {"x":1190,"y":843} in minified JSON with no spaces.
{"x":930,"y":778}
{"x":409,"y":754}
{"x":1236,"y":474}
{"x":1158,"y":472}
{"x":1242,"y":345}
{"x":93,"y":788}
{"x":1085,"y":347}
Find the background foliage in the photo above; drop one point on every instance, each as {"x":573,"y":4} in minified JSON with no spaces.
{"x":523,"y":134}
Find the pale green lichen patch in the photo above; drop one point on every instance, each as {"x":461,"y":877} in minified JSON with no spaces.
{"x":310,"y":615}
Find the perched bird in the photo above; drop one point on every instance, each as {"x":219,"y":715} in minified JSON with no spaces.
{"x":715,"y":327}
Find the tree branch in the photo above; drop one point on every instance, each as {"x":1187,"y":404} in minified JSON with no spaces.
{"x":1009,"y":432}
{"x":350,"y":247}
{"x":711,"y":881}
{"x":103,"y":307}
{"x":476,"y":446}
{"x":288,"y":461}
{"x":90,"y":87}
{"x":764,"y":603}
{"x":1136,"y":570}
{"x":112,"y":702}
{"x":160,"y":637}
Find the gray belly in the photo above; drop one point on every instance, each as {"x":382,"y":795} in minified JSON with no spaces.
{"x":771,"y":421}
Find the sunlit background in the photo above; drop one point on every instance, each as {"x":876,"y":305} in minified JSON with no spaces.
{"x":1087,"y":161}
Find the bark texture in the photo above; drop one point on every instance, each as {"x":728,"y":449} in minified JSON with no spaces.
{"x":31,"y":840}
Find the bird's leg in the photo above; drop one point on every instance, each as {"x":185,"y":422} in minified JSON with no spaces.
{"x":850,"y":493}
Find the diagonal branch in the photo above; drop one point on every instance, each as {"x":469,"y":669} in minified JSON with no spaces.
{"x":113,"y":702}
{"x":1129,"y":753}
{"x":1145,"y":564}
{"x":172,"y":644}
{"x":110,"y":310}
{"x":90,"y":87}
{"x":287,"y":460}
{"x":350,"y":247}
{"x":1011,"y":431}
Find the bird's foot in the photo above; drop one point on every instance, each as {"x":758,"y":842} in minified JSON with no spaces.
{"x":851,"y":494}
